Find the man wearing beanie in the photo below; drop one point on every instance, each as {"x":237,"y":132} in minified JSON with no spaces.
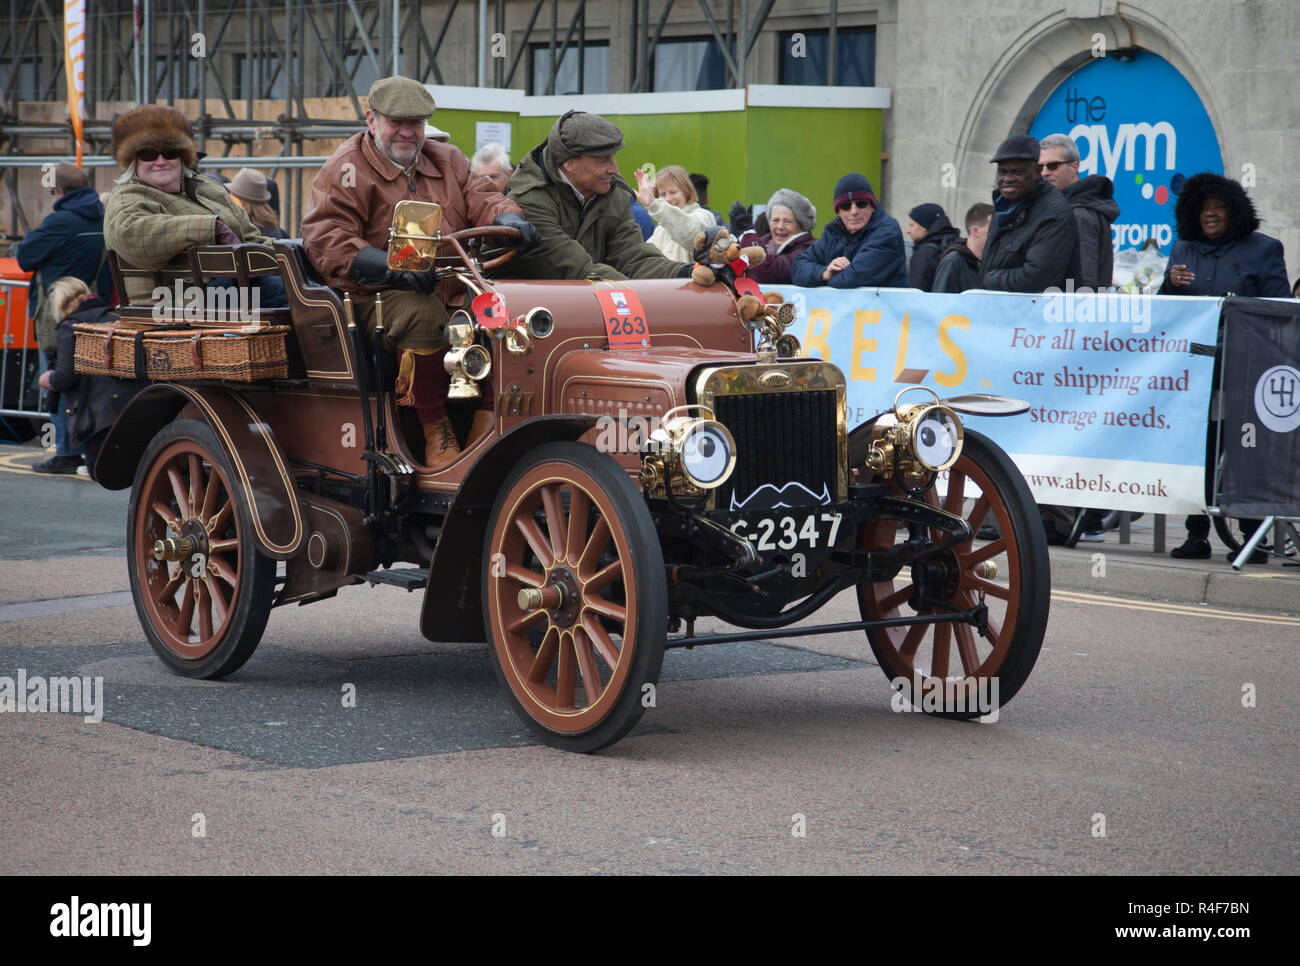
{"x":1033,"y":241}
{"x":862,"y":246}
{"x":931,"y":234}
{"x":346,"y":227}
{"x":570,"y":188}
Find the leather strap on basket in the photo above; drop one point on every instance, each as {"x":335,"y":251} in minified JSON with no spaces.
{"x":139,"y":357}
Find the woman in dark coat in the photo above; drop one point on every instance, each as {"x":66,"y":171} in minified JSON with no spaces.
{"x":1219,"y":249}
{"x":790,"y":218}
{"x":1220,"y":252}
{"x":93,"y":402}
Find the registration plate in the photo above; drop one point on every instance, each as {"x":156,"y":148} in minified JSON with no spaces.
{"x":813,"y":530}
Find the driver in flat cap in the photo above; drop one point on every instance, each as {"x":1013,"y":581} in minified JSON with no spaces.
{"x":570,"y":188}
{"x":346,"y":228}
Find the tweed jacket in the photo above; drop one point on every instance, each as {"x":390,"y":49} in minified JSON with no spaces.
{"x":148,"y":227}
{"x":355,"y":192}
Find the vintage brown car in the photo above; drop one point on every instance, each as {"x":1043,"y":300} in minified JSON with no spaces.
{"x":653,"y":460}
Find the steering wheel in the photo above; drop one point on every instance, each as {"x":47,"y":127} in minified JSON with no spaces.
{"x":469,"y":244}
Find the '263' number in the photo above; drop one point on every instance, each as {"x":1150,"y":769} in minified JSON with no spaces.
{"x":626,"y":325}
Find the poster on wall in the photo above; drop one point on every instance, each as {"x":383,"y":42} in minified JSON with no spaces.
{"x":1138,"y":122}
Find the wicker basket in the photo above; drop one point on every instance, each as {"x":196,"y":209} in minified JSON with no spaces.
{"x":133,"y":350}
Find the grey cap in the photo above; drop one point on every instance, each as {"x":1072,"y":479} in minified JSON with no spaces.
{"x":577,"y":132}
{"x":1018,"y":147}
{"x":401,"y":97}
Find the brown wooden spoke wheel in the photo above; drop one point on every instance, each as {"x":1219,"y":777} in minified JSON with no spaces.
{"x":205,"y":604}
{"x":575,"y":650}
{"x":984,"y":486}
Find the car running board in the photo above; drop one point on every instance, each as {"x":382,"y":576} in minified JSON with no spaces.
{"x":408,"y":578}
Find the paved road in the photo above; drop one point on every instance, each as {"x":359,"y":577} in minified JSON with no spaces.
{"x":1133,"y":719}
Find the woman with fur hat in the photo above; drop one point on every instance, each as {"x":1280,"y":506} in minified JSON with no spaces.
{"x":790,"y":219}
{"x":161,"y":206}
{"x":1219,"y":248}
{"x":1219,"y":252}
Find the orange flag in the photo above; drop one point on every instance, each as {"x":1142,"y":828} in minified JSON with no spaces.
{"x":74,"y":63}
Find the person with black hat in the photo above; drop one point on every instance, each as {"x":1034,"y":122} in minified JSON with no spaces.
{"x":931,"y":233}
{"x":570,"y":188}
{"x":346,"y":228}
{"x":861,"y":246}
{"x":1033,"y":242}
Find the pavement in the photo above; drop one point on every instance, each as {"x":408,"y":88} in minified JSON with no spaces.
{"x":1135,"y":569}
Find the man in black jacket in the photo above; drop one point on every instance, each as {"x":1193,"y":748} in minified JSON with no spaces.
{"x":1095,"y":210}
{"x":69,"y":242}
{"x":1033,"y":244}
{"x":931,"y":232}
{"x":959,"y":266}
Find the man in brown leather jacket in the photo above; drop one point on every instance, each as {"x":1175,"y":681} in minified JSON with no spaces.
{"x":346,"y":228}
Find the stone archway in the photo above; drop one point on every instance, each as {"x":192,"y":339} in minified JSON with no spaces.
{"x":1032,"y":66}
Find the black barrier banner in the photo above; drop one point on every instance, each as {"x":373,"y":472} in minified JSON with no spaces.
{"x":1261,"y":408}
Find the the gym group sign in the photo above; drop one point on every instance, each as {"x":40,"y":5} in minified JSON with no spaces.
{"x":1137,"y":121}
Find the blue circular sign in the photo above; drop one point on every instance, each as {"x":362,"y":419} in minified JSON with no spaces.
{"x":1138,"y":122}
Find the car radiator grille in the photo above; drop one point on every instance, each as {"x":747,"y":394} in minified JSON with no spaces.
{"x":781,"y":438}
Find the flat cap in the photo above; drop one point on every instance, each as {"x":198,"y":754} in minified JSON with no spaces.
{"x":401,"y":97}
{"x":577,"y":132}
{"x":1018,"y":147}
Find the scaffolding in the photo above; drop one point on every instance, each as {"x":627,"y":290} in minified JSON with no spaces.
{"x":252,"y":73}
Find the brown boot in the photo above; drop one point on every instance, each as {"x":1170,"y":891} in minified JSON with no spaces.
{"x":484,"y":421}
{"x":440,"y":446}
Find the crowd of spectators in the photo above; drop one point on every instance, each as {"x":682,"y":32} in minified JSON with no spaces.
{"x":1045,"y":228}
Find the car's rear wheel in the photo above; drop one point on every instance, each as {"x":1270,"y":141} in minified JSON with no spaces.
{"x":202,"y":590}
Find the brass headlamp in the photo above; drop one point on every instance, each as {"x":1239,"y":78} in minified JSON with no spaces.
{"x":413,"y":236}
{"x":688,"y":453}
{"x":915,"y":440}
{"x":467,"y":362}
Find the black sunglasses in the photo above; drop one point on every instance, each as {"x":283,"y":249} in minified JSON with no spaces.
{"x":149,"y":154}
{"x":860,"y":205}
{"x":1052,"y":165}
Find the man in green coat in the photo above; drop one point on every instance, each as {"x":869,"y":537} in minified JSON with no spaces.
{"x":569,"y":188}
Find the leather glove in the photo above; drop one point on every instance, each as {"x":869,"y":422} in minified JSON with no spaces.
{"x":370,"y":267}
{"x":530,"y":237}
{"x":225,"y":236}
{"x":742,"y":219}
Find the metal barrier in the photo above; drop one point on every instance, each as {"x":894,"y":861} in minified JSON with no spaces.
{"x":20,"y":366}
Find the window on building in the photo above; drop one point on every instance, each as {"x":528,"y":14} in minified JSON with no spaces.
{"x":180,"y":79}
{"x":593,"y":78}
{"x":24,"y":85}
{"x":260,"y":76}
{"x":689,"y":64}
{"x":804,"y":60}
{"x":362,"y":71}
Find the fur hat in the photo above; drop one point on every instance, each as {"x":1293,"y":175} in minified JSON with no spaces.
{"x":1200,"y":188}
{"x":153,"y":126}
{"x":804,"y":211}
